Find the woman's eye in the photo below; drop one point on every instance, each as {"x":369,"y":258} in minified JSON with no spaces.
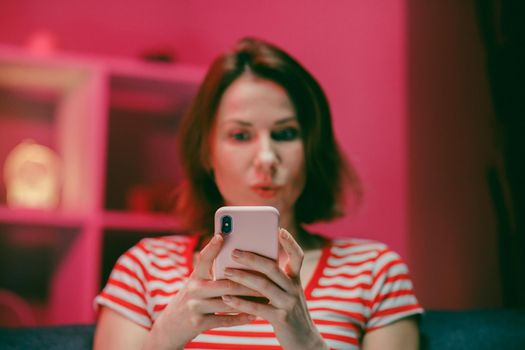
{"x":239,"y":135}
{"x":287,"y":134}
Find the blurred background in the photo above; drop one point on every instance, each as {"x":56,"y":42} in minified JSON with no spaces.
{"x":426,"y":96}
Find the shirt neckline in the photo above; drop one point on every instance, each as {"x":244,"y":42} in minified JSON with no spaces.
{"x":318,"y":271}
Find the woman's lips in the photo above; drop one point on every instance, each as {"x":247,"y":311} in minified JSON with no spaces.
{"x":266,"y":191}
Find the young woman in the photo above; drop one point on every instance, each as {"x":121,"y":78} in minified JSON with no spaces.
{"x":259,"y":133}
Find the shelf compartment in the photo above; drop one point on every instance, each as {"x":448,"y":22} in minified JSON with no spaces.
{"x":31,"y":255}
{"x":54,"y":105}
{"x":142,"y":167}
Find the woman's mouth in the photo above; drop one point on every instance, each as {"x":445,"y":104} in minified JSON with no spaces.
{"x":266,"y":191}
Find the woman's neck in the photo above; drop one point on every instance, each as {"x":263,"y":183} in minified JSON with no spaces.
{"x":307,"y":240}
{"x":288,"y":222}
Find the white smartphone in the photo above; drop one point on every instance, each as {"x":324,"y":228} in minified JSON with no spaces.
{"x":248,"y":228}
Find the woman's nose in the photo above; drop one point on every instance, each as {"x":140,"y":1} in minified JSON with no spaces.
{"x":266,"y":158}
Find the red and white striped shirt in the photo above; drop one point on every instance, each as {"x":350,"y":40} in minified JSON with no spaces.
{"x":357,"y":286}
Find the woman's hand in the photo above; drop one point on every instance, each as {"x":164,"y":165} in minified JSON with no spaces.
{"x":192,"y":310}
{"x":287,"y":311}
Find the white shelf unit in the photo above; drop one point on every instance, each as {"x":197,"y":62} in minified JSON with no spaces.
{"x":112,"y":121}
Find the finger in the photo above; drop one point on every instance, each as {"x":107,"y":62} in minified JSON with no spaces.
{"x":213,"y":289}
{"x":260,"y":283}
{"x":209,"y":306}
{"x":214,"y":321}
{"x":206,"y":256}
{"x":293,"y":251}
{"x":265,"y":266}
{"x":249,"y":307}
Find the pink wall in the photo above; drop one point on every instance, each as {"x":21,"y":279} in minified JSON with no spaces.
{"x":358,"y":50}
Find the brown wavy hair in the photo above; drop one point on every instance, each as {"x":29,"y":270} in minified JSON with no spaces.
{"x":327,"y":171}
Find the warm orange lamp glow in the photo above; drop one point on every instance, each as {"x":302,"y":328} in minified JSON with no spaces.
{"x":32,"y":176}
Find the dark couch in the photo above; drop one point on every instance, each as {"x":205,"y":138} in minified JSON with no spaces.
{"x":440,"y":330}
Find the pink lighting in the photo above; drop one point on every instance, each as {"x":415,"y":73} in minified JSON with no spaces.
{"x":410,"y":108}
{"x":42,"y":42}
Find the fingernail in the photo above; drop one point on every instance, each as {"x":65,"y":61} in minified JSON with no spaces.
{"x":236,"y":253}
{"x":216,"y":239}
{"x":228,"y":272}
{"x":283,"y":234}
{"x":227,"y":298}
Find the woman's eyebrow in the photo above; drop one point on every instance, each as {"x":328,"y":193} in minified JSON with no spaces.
{"x":237,"y":121}
{"x":285,"y":120}
{"x":247,"y":123}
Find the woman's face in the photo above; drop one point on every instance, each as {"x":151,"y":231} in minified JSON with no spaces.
{"x":257,"y":154}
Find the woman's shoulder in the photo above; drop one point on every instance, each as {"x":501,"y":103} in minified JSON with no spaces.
{"x":376,"y":256}
{"x":355,"y":250}
{"x":349,"y":246}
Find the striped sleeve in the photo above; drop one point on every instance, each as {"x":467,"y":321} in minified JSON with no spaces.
{"x":126,"y":289}
{"x":392,"y":293}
